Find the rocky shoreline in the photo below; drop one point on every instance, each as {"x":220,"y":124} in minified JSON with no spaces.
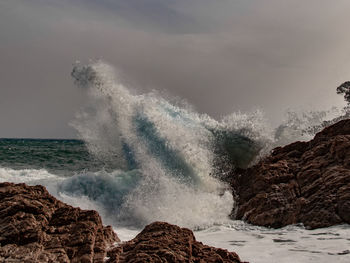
{"x":36,"y":227}
{"x":304,"y":182}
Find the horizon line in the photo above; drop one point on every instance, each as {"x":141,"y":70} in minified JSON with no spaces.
{"x":31,"y":138}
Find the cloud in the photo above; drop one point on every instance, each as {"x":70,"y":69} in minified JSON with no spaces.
{"x":221,"y":56}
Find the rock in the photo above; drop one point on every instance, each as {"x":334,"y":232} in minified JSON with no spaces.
{"x":163,"y":242}
{"x":36,"y":227}
{"x":304,"y":182}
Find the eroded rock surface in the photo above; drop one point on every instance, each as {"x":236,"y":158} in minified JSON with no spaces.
{"x":36,"y":227}
{"x":304,"y":182}
{"x":163,"y":242}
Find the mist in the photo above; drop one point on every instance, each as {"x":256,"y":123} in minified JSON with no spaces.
{"x":220,"y":57}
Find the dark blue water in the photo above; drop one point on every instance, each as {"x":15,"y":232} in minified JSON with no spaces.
{"x":55,"y":155}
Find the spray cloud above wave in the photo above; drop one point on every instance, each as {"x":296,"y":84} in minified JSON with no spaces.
{"x":176,"y":155}
{"x":171,"y":160}
{"x":168,"y":162}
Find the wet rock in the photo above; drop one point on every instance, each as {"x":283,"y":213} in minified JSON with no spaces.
{"x":304,"y":182}
{"x":36,"y":227}
{"x":163,"y":242}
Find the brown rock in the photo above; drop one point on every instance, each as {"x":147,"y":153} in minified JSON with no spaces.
{"x":162,"y":242}
{"x":304,"y":182}
{"x":36,"y":227}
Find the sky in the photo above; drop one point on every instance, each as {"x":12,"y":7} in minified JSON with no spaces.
{"x":221,"y":56}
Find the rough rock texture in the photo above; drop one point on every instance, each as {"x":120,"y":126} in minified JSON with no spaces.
{"x":162,"y":242}
{"x":304,"y":182}
{"x":36,"y":227}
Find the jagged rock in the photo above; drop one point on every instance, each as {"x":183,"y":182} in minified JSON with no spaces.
{"x":163,"y":242}
{"x":304,"y":182}
{"x":36,"y":227}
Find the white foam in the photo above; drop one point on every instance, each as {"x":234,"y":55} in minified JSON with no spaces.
{"x":170,"y":201}
{"x":25,"y":175}
{"x":163,"y":193}
{"x":286,"y":245}
{"x":31,"y":177}
{"x":53,"y":184}
{"x":188,"y":197}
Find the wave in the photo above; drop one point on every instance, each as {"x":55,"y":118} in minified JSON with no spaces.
{"x":55,"y":184}
{"x":173,"y":159}
{"x":180,"y":156}
{"x":303,"y":125}
{"x":169,"y":162}
{"x":125,"y":199}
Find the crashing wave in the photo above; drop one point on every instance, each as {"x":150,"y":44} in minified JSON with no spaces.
{"x":175,"y":151}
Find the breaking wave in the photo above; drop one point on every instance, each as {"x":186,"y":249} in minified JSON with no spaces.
{"x":171,"y":159}
{"x":169,"y":162}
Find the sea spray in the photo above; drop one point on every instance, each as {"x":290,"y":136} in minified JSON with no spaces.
{"x":148,"y":159}
{"x":252,"y":243}
{"x":302,"y":125}
{"x":180,"y":157}
{"x":173,"y":149}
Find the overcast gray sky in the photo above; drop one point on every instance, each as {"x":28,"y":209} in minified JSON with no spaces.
{"x":221,"y":56}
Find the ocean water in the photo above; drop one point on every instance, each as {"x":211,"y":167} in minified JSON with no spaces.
{"x":142,"y":158}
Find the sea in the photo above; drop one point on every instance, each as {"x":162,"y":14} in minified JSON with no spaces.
{"x":142,"y":158}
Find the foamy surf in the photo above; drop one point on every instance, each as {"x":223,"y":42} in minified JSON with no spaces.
{"x":252,"y":243}
{"x":174,"y":150}
{"x":286,"y":245}
{"x":143,"y":158}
